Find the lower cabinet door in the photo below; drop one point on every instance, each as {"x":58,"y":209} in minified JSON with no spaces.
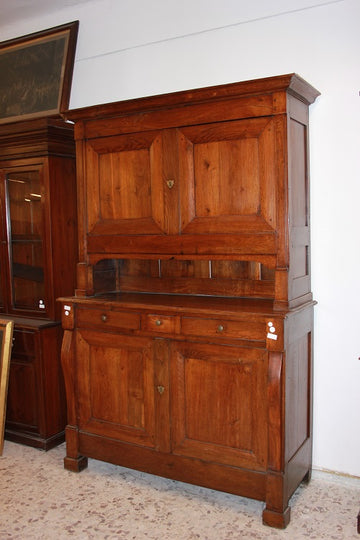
{"x":24,"y":395}
{"x":36,"y":405}
{"x":116,"y":386}
{"x":219,"y":404}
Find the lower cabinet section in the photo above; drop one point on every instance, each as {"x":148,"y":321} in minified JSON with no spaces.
{"x":228,"y":413}
{"x":215,"y":395}
{"x":36,"y":405}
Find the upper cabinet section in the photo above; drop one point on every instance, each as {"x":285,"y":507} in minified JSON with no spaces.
{"x":196,"y":173}
{"x":212,"y":176}
{"x":38,"y":216}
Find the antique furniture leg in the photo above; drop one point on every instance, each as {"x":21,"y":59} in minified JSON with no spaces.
{"x":73,"y":461}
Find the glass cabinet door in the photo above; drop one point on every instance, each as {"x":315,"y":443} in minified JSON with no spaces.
{"x":25,"y":242}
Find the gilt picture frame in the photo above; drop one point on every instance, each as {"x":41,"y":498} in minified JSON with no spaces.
{"x":6,"y":333}
{"x":36,"y":73}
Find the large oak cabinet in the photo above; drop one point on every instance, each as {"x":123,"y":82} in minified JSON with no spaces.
{"x":188,"y":344}
{"x":38,"y":248}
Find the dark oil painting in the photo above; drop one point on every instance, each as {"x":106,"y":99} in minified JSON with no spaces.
{"x":36,"y":73}
{"x":30,"y":78}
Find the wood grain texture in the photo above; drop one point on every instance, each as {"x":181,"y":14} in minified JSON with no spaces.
{"x":39,"y":252}
{"x":194,"y":358}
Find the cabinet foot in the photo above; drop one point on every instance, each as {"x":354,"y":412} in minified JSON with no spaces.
{"x":75,"y":464}
{"x":280,"y":520}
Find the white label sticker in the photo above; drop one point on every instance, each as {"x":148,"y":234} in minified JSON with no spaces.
{"x":271,"y":336}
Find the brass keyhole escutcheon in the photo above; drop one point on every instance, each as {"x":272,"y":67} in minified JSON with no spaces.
{"x":160,"y":389}
{"x":170,"y":183}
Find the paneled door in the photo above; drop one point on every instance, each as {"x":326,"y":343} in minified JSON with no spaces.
{"x":219,"y":406}
{"x":116,"y":386}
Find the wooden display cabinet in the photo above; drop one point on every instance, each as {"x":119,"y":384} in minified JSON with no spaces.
{"x":188,"y":345}
{"x":38,"y":232}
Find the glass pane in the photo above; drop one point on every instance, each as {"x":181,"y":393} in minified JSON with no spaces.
{"x":25,"y":240}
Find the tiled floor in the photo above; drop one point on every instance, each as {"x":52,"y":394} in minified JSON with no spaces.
{"x":41,"y":500}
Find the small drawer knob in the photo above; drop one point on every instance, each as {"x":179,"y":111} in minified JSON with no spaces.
{"x":158,"y":322}
{"x":220,"y":328}
{"x":104,"y":317}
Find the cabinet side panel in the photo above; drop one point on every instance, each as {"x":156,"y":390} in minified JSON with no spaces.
{"x":297,"y":395}
{"x":299,"y":246}
{"x":53,"y":381}
{"x":63,"y":222}
{"x":298,"y":389}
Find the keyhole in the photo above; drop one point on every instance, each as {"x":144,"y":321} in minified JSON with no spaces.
{"x":170,"y":183}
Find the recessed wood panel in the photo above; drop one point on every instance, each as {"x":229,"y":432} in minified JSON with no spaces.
{"x":122,"y":177}
{"x":120,"y":368}
{"x":125,"y":194}
{"x":22,"y":401}
{"x":218,"y":406}
{"x":124,"y":402}
{"x":298,"y":390}
{"x":227,"y":178}
{"x":234,"y":176}
{"x":299,"y":182}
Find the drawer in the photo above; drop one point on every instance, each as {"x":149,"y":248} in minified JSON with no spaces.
{"x":117,"y":320}
{"x":223,"y":328}
{"x":166,"y":324}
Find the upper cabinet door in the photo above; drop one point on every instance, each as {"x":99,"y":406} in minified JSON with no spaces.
{"x":133,"y":183}
{"x":233,"y":177}
{"x":24,"y":214}
{"x":199,"y":179}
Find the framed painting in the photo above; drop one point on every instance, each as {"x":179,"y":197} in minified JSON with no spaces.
{"x":6,"y":332}
{"x":36,"y":73}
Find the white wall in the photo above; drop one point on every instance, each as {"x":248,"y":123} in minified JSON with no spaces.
{"x":133,"y":48}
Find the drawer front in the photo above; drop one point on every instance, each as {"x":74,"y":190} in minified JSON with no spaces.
{"x":161,"y":323}
{"x":223,"y":328}
{"x":108,"y":319}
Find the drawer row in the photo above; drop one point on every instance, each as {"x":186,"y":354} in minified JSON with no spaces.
{"x":170,"y":324}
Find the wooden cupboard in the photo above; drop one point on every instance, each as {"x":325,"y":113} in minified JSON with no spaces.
{"x":38,"y":230}
{"x":188,"y":344}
